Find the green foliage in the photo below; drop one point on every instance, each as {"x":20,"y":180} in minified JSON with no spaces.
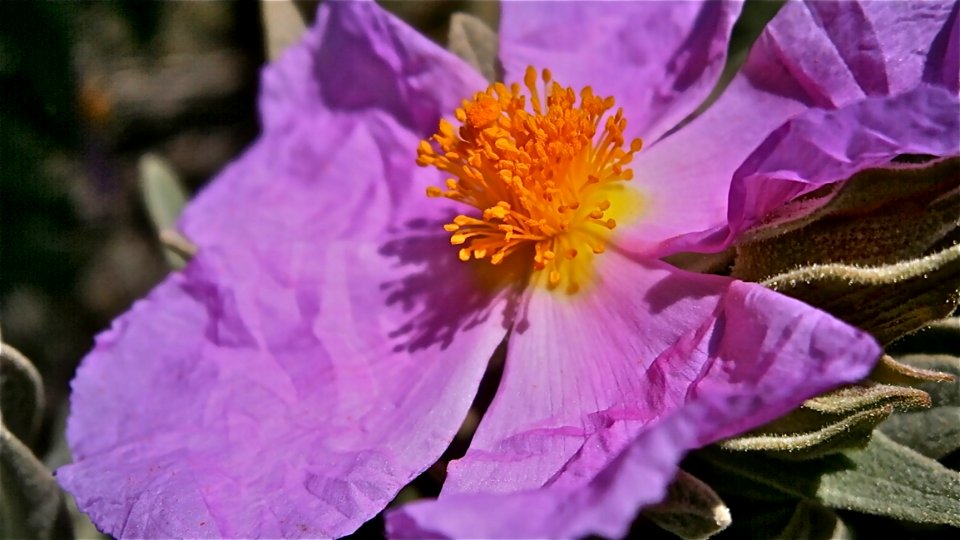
{"x":877,"y":251}
{"x":472,"y":40}
{"x":32,"y":505}
{"x":935,"y":432}
{"x":21,"y":394}
{"x":691,"y":510}
{"x":830,"y":423}
{"x":891,"y":480}
{"x":164,"y":197}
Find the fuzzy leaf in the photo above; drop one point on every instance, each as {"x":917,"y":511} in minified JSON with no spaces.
{"x":165,"y":198}
{"x":887,"y":301}
{"x":691,"y":510}
{"x":935,"y":433}
{"x":813,"y":521}
{"x":472,"y":40}
{"x":884,"y":479}
{"x":892,"y":371}
{"x":162,"y":191}
{"x":891,"y":480}
{"x":878,"y":217}
{"x":939,"y":337}
{"x":32,"y":503}
{"x":761,"y":477}
{"x":833,"y":422}
{"x":21,"y":394}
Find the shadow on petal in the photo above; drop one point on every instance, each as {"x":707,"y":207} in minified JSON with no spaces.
{"x":443,"y":295}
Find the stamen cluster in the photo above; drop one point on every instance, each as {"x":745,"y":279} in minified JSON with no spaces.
{"x":537,"y":174}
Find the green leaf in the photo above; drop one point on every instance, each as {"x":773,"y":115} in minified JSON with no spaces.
{"x":879,"y":250}
{"x":165,"y":198}
{"x":813,"y":521}
{"x":836,"y":421}
{"x":21,"y":394}
{"x":762,"y":477}
{"x":934,"y":433}
{"x":939,"y":337}
{"x":892,"y":371}
{"x":891,"y":480}
{"x":878,"y":217}
{"x":162,"y":191}
{"x":32,"y":502}
{"x":884,"y":479}
{"x":887,"y":301}
{"x":691,"y":510}
{"x":476,"y":43}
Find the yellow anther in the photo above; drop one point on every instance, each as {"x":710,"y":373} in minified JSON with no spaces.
{"x":482,"y":112}
{"x":538,"y":162}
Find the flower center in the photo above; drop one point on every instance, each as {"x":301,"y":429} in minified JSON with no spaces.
{"x":539,"y":174}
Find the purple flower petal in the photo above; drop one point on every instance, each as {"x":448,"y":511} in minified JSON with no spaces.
{"x":659,"y":60}
{"x":655,"y":371}
{"x":816,"y":55}
{"x":342,"y":111}
{"x":239,"y":403}
{"x":604,"y":506}
{"x":822,"y":147}
{"x":627,"y":351}
{"x":289,"y":383}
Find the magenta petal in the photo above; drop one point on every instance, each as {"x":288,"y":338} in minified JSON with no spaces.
{"x":239,"y":402}
{"x":821,"y":147}
{"x":586,"y":375}
{"x":356,"y":59}
{"x":343,"y":112}
{"x":620,"y":386}
{"x":659,"y":60}
{"x":604,"y":506}
{"x":816,"y":55}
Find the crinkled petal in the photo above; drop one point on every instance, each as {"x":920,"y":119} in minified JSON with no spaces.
{"x":342,"y":112}
{"x":601,"y":398}
{"x":659,"y":60}
{"x":821,"y":147}
{"x":814,"y":55}
{"x":287,"y":383}
{"x":585,"y":374}
{"x":605,"y":506}
{"x":242,"y":403}
{"x":357,"y":58}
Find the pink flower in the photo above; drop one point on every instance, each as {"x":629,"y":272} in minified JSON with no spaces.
{"x":324,"y":346}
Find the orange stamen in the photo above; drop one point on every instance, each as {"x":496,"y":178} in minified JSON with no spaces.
{"x":537,"y":173}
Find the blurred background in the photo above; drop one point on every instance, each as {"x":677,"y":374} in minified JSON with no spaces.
{"x":112,"y":113}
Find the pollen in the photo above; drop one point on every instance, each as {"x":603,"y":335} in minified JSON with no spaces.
{"x":544,"y":171}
